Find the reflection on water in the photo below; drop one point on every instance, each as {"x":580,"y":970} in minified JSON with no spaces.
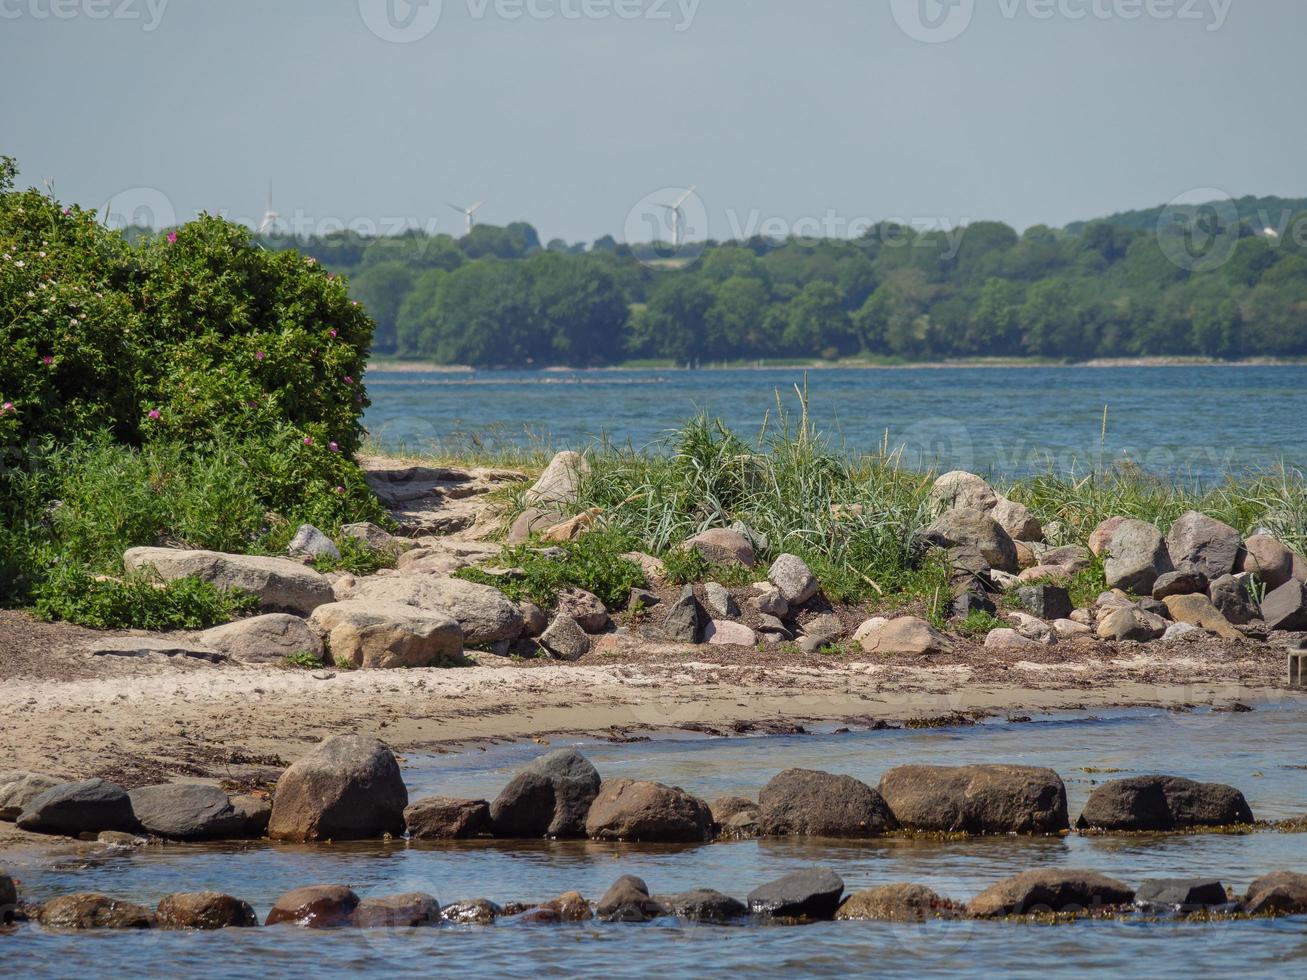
{"x":1256,"y":752}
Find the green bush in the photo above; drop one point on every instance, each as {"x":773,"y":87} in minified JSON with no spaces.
{"x":593,"y":562}
{"x":71,"y":594}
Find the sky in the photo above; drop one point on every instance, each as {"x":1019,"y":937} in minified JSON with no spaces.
{"x":583,"y":117}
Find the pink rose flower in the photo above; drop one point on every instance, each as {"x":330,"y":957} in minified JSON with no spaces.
{"x":172,"y":238}
{"x":47,"y":360}
{"x":259,"y":356}
{"x":154,"y":415}
{"x":334,"y":447}
{"x":308,"y":440}
{"x":6,"y":408}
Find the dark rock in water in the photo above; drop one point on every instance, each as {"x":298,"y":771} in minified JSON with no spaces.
{"x":683,"y":621}
{"x":629,"y":810}
{"x":8,"y":898}
{"x":984,"y":799}
{"x":897,"y":903}
{"x":1052,"y":890}
{"x":205,"y":910}
{"x":1187,"y":582}
{"x":551,"y":797}
{"x":1286,"y":607}
{"x":79,"y":808}
{"x":1204,"y":544}
{"x":813,"y":893}
{"x":315,"y":907}
{"x":1161,"y":803}
{"x":411,"y":911}
{"x":969,"y":602}
{"x":87,"y":910}
{"x":801,"y":802}
{"x":1048,"y":602}
{"x":348,"y":788}
{"x":1232,"y":597}
{"x":568,"y":907}
{"x":627,"y":900}
{"x":1185,"y":894}
{"x":475,"y":912}
{"x":187,"y":811}
{"x":18,"y":789}
{"x":705,"y":905}
{"x":1278,"y":893}
{"x":440,"y":818}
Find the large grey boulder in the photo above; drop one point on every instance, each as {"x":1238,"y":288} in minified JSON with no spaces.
{"x":979,"y":799}
{"x":1131,"y":623}
{"x":793,"y":580}
{"x":971,"y":530}
{"x":683,"y":620}
{"x":705,"y":905}
{"x":347,"y":788}
{"x":279,"y":583}
{"x":962,"y":489}
{"x":1286,"y":607}
{"x":1182,"y":894}
{"x":205,"y":911}
{"x":1050,"y":890}
{"x":315,"y":907}
{"x":1277,"y":893}
{"x":388,"y":635}
{"x":1136,"y":556}
{"x":906,"y":635}
{"x":1231,"y":595}
{"x":309,"y":542}
{"x":565,"y":639}
{"x":627,"y":900}
{"x":485,"y":614}
{"x":264,"y":639}
{"x":18,"y":789}
{"x":1266,"y":557}
{"x":1204,"y":544}
{"x":813,"y":893}
{"x":377,"y":539}
{"x":723,"y":546}
{"x":802,"y":802}
{"x":631,"y":810}
{"x":559,"y":483}
{"x":1017,"y":521}
{"x":90,"y":910}
{"x":85,"y":807}
{"x":549,"y":798}
{"x":441,"y":818}
{"x":189,"y":811}
{"x":1162,"y":803}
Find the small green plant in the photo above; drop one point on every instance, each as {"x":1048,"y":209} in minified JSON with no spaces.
{"x":592,"y":562}
{"x":73,"y":595}
{"x":344,"y":663}
{"x":302,"y":660}
{"x":978,"y":624}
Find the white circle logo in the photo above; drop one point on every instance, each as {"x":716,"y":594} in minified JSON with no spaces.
{"x":933,"y":21}
{"x":141,"y":207}
{"x":667,"y":225}
{"x":401,"y":21}
{"x":1198,"y":230}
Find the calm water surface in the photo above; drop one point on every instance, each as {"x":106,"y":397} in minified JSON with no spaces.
{"x":1256,"y":752}
{"x":1196,"y":422}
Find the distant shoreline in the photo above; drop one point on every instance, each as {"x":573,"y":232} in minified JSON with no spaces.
{"x":397,"y":366}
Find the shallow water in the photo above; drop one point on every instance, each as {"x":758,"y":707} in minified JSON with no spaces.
{"x":1255,"y":752}
{"x":1198,"y":422}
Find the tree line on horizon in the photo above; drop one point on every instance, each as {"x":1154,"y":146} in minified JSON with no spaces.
{"x":498,"y":297}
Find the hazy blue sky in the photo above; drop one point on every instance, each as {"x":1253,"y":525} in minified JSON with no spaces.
{"x":1037,"y":111}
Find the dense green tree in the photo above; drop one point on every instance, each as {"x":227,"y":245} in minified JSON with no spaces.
{"x":382,"y":289}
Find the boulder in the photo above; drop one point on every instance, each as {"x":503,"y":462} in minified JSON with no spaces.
{"x":279,"y":584}
{"x":1162,"y":803}
{"x":485,"y":613}
{"x":534,"y":618}
{"x":88,"y":910}
{"x":1068,"y":629}
{"x":19,"y":789}
{"x":586,"y":609}
{"x":681,"y":624}
{"x":724,"y":633}
{"x":255,"y":811}
{"x":971,"y":601}
{"x":906,"y":635}
{"x":549,"y":798}
{"x":1278,"y":893}
{"x":376,"y":539}
{"x":1101,"y":536}
{"x":1046,"y":601}
{"x":189,"y":811}
{"x":1130,"y":623}
{"x":532,"y":520}
{"x":1233,"y":598}
{"x":962,"y":489}
{"x":86,"y":807}
{"x":1136,"y":556}
{"x":1009,"y":640}
{"x":206,"y":911}
{"x":896,"y":903}
{"x":8,"y":898}
{"x":1053,"y":574}
{"x":769,"y":601}
{"x":315,"y":907}
{"x":722,"y":546}
{"x":804,"y":803}
{"x":1186,"y":582}
{"x":1182,"y":894}
{"x":347,"y":788}
{"x":1017,"y":521}
{"x":1268,"y":559}
{"x":1181,"y":630}
{"x":630,"y":810}
{"x":979,"y":799}
{"x":735,"y":817}
{"x":1197,"y":610}
{"x":440,"y":818}
{"x":412,"y":910}
{"x":1203,"y":544}
{"x":266,"y":639}
{"x":655,"y":569}
{"x":309,"y":542}
{"x":1051,"y":890}
{"x":972,"y":530}
{"x":1286,"y":607}
{"x":559,"y":483}
{"x":705,"y":905}
{"x":627,"y":900}
{"x":813,"y":893}
{"x":1071,"y":557}
{"x":379,"y":635}
{"x":720,"y":603}
{"x":565,"y":639}
{"x":793,"y":579}
{"x":567,"y":907}
{"x":476,"y":912}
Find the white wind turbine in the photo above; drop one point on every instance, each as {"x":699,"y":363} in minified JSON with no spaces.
{"x":469,"y":214}
{"x":678,"y":216}
{"x":270,"y":217}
